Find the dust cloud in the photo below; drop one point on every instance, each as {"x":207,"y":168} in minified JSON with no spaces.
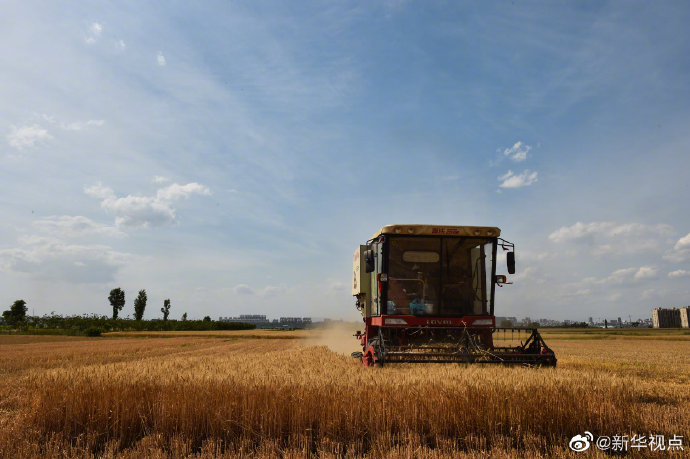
{"x":337,"y":336}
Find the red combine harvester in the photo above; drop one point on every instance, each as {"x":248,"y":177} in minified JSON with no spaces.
{"x":426,"y":294}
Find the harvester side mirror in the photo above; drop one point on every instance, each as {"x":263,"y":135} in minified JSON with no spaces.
{"x":369,"y":260}
{"x":510,"y":261}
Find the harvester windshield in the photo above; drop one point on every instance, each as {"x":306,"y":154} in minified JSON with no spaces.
{"x":440,"y":276}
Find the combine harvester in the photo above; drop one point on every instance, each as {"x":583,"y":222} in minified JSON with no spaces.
{"x":426,"y":294}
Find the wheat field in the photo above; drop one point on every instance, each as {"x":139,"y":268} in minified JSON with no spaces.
{"x":299,"y":394}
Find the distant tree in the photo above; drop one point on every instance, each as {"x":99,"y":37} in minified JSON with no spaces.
{"x":207,"y":318}
{"x":184,"y":316}
{"x":505,"y":323}
{"x":117,"y":300}
{"x":16,"y":314}
{"x":140,"y":305}
{"x":166,"y":309}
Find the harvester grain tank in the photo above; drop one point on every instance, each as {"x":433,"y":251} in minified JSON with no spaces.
{"x":426,"y":294}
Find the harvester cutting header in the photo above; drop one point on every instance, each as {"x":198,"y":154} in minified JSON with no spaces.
{"x":426,"y":294}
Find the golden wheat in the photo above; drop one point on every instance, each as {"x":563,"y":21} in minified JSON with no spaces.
{"x":236,"y":394}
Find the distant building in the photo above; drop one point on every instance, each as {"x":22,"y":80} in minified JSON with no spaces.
{"x":256,"y":319}
{"x":685,"y":317}
{"x":295,"y":321}
{"x":550,"y":323}
{"x":646,"y":322}
{"x":261,"y":321}
{"x":666,"y":317}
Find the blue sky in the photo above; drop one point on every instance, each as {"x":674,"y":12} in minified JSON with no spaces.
{"x":231,"y":155}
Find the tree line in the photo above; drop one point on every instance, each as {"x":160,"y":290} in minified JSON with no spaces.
{"x":93,"y":325}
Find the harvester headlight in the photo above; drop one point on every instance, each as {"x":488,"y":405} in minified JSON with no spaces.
{"x":482,"y":322}
{"x":393,"y":321}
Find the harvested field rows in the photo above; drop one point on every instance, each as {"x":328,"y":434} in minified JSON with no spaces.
{"x":239,"y":395}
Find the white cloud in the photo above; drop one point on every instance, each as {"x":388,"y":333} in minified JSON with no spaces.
{"x":530,"y":272}
{"x":527,"y":255}
{"x":139,"y":211}
{"x":511,"y":180}
{"x":624,"y":276}
{"x":678,"y":273}
{"x":73,"y":126}
{"x":74,"y":226}
{"x":681,"y":250}
{"x":636,"y":229}
{"x":144,"y":211}
{"x":267,"y":292}
{"x":612,"y":237}
{"x":99,"y":191}
{"x":27,"y":136}
{"x":175,"y":191}
{"x":160,"y":179}
{"x":646,"y":272}
{"x":53,"y":259}
{"x":518,"y":152}
{"x":619,"y":276}
{"x":683,"y":243}
{"x":79,"y":125}
{"x":49,"y":118}
{"x":121,"y":44}
{"x":243,"y":289}
{"x":160,"y":59}
{"x":273,"y":290}
{"x":580,"y":231}
{"x":95,"y":31}
{"x":582,"y":292}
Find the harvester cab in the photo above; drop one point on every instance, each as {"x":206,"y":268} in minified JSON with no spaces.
{"x":426,"y":294}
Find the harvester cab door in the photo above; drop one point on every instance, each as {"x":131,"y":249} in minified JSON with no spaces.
{"x":376,"y":289}
{"x":483,"y":269}
{"x":478,"y":273}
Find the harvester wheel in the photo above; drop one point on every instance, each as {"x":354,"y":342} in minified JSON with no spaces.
{"x":549,"y":361}
{"x":370,"y":357}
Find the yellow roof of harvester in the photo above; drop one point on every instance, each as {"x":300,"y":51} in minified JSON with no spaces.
{"x":439,"y":230}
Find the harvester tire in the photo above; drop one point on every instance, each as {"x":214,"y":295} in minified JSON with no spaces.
{"x":371,"y":357}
